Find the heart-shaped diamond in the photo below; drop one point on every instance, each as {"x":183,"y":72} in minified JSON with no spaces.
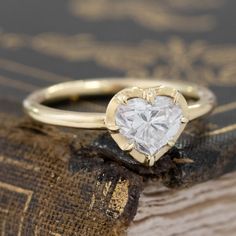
{"x":147,"y":122}
{"x":149,"y":126}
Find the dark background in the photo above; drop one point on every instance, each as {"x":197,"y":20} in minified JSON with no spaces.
{"x":45,"y":42}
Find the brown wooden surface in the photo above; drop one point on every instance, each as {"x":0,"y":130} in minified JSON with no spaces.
{"x":206,"y":209}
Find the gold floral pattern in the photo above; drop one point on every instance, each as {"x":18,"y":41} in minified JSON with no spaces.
{"x":177,"y":59}
{"x":154,"y":14}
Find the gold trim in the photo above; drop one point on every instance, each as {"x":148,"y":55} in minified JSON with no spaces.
{"x":20,"y":164}
{"x":119,"y":198}
{"x":29,"y":195}
{"x":223,"y":130}
{"x":27,"y":70}
{"x":158,"y":15}
{"x":224,"y":108}
{"x":17,"y":84}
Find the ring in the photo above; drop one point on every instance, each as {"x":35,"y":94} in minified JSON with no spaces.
{"x":144,"y":117}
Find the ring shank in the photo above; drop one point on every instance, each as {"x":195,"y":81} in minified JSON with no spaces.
{"x":203,"y":104}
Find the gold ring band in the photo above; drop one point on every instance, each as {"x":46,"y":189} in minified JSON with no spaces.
{"x":202,"y":101}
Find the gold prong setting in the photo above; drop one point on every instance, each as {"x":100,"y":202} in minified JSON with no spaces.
{"x":113,"y":128}
{"x":150,"y":160}
{"x":184,"y":120}
{"x":171,"y":143}
{"x":150,"y":95}
{"x":122,"y":99}
{"x":128,"y":147}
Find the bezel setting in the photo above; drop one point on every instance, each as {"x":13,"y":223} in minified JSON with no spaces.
{"x":148,"y":94}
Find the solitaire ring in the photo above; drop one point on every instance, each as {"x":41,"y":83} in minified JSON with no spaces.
{"x":145,"y":117}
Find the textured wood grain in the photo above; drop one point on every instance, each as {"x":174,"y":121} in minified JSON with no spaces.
{"x":205,"y":209}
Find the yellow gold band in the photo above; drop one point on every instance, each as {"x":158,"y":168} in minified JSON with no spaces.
{"x":145,"y":117}
{"x":204,"y":100}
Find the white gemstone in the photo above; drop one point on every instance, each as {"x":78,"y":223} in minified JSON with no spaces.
{"x":149,"y":126}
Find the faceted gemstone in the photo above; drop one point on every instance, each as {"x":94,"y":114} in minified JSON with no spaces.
{"x":149,"y":126}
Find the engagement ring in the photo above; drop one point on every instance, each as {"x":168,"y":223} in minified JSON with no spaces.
{"x":144,"y":117}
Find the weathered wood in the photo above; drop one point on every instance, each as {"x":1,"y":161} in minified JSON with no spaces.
{"x":205,"y":209}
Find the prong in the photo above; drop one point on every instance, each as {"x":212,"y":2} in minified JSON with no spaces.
{"x":128,"y":147}
{"x":184,"y":120}
{"x":176,"y":96}
{"x":149,"y":95}
{"x":150,"y":160}
{"x":113,"y":128}
{"x":136,"y":89}
{"x":171,"y":143}
{"x":122,"y":99}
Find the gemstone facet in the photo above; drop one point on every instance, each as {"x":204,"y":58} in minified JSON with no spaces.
{"x":149,"y":126}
